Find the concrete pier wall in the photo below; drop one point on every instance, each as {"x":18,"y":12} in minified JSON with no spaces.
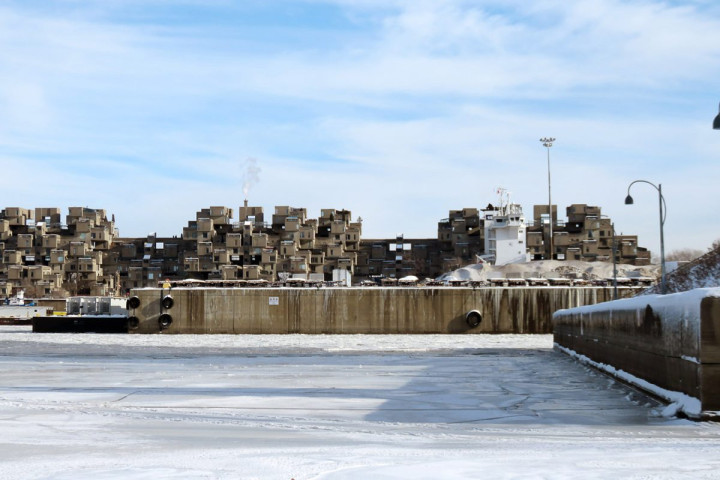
{"x":357,"y":310}
{"x":670,"y":341}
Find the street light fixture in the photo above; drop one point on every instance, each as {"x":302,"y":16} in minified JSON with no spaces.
{"x":663,"y":212}
{"x":547,"y":143}
{"x":716,"y":122}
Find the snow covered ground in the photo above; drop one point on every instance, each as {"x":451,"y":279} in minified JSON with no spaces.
{"x":328,"y":407}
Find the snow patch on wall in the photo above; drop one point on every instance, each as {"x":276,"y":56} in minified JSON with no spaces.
{"x":678,"y":306}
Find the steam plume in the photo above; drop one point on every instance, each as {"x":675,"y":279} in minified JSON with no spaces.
{"x":250,"y":175}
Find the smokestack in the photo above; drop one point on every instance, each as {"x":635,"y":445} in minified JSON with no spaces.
{"x":246,"y":203}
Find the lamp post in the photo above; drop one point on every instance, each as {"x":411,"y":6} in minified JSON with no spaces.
{"x":663,"y":211}
{"x":547,"y":143}
{"x":716,"y":122}
{"x":614,"y":254}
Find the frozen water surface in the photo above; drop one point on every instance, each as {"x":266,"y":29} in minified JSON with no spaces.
{"x":328,"y":407}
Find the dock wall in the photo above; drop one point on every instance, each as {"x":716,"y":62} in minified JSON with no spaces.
{"x":671,"y":342}
{"x":357,"y":310}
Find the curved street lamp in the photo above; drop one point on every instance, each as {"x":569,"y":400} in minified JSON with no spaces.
{"x":663,"y":212}
{"x":716,"y":122}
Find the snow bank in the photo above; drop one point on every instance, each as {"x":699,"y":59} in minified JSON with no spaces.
{"x":703,"y":272}
{"x":549,"y":269}
{"x":678,"y":402}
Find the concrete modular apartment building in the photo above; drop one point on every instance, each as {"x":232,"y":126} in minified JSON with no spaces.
{"x":46,"y":256}
{"x":84,"y":255}
{"x":587,"y":235}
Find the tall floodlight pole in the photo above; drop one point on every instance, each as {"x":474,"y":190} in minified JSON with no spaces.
{"x":663,"y":212}
{"x":547,"y":143}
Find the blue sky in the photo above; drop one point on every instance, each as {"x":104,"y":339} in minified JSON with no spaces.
{"x":396,"y":110}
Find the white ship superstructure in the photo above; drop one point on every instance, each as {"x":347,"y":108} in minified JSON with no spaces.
{"x":505,"y":232}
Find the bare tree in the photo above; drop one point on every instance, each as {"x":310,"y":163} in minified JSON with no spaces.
{"x":684,"y":255}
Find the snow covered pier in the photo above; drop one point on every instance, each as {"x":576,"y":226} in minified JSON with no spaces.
{"x":355,"y":310}
{"x":666,"y":344}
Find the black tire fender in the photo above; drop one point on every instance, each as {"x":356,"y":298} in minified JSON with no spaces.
{"x":132,"y":303}
{"x":164,"y":321}
{"x":133,"y":323}
{"x":167,"y":302}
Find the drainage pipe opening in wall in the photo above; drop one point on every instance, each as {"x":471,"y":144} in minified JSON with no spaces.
{"x":132,"y":303}
{"x":164,"y":321}
{"x":133,"y":323}
{"x":473,"y":318}
{"x":167,"y":302}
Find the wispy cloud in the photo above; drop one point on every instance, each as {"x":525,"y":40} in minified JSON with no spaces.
{"x":425,"y":106}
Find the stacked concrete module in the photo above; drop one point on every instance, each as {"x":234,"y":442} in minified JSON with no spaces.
{"x":291,"y":245}
{"x":45,"y":257}
{"x":85,"y":255}
{"x":586,"y":235}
